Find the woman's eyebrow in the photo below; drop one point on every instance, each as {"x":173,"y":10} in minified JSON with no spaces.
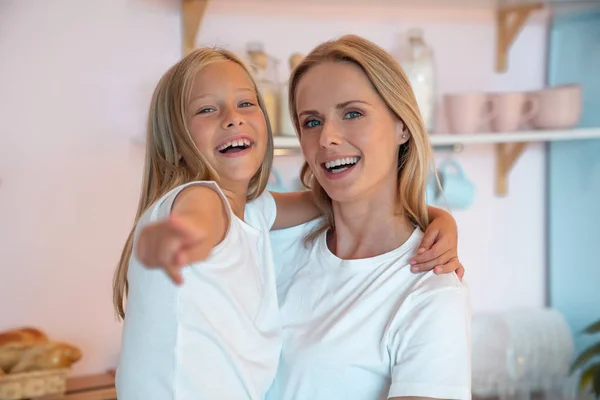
{"x":338,"y":106}
{"x":308,"y":112}
{"x":347,"y":103}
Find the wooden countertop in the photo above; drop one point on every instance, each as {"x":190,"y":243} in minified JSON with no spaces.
{"x":88,"y":387}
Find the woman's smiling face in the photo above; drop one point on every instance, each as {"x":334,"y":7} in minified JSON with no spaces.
{"x":349,"y":136}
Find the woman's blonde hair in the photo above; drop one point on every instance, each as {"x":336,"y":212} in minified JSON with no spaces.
{"x":390,"y":82}
{"x":172,"y":158}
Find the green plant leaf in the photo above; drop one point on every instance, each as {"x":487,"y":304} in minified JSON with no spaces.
{"x":587,"y":377}
{"x":593,"y":328}
{"x":596,"y":386}
{"x":586,"y":356}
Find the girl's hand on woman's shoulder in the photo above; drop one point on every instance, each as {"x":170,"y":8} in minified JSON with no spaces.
{"x":439,"y":248}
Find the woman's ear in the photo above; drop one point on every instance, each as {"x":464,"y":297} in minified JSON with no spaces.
{"x":402,"y":134}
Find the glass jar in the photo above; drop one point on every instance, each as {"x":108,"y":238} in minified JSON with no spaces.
{"x":286,"y":125}
{"x":264,"y":69}
{"x":417,"y":60}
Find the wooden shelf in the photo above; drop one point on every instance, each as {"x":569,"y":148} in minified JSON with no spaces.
{"x":444,"y":139}
{"x":509,"y":146}
{"x":515,"y":137}
{"x":286,"y":142}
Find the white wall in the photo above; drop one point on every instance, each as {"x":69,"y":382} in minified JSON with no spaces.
{"x":75,"y":78}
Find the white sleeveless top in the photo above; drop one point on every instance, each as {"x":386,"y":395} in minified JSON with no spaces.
{"x":218,"y":336}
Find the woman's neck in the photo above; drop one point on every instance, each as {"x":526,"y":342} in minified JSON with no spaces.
{"x":368,"y":227}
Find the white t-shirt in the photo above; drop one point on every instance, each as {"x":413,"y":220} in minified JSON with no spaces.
{"x":218,"y":336}
{"x":367,"y":329}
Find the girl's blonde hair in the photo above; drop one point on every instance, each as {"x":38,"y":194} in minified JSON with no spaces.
{"x":172,"y":158}
{"x":390,"y":82}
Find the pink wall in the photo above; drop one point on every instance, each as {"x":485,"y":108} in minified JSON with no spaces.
{"x":75,"y":79}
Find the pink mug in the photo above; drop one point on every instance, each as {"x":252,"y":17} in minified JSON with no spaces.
{"x":468,"y":112}
{"x":512,"y":110}
{"x":560,"y":107}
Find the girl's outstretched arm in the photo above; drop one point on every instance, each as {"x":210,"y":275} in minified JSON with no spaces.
{"x":198,"y":222}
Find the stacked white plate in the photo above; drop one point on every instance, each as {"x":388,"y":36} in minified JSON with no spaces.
{"x":521,"y":350}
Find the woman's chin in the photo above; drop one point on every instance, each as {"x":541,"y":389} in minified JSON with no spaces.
{"x":341,"y":194}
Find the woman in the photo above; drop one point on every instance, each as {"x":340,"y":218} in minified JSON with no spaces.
{"x":357,"y":324}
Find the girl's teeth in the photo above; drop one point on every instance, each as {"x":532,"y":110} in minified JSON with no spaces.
{"x":235,"y":143}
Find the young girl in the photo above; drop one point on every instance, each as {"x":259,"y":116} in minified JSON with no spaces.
{"x":218,"y":336}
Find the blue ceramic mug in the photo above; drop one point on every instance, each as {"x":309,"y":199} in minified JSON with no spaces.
{"x":432,"y":191}
{"x":457,"y":190}
{"x":275,"y":182}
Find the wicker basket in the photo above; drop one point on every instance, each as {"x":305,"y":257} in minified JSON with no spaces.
{"x":31,"y":384}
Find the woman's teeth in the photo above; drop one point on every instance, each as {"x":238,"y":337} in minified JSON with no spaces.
{"x":341,"y":164}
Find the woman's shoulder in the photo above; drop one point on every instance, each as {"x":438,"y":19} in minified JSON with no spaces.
{"x":429,"y":283}
{"x":425,"y":286}
{"x":435,"y":294}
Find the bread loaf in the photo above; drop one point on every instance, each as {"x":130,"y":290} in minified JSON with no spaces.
{"x":14,"y":342}
{"x":9,"y":357}
{"x":22,"y":337}
{"x":47,"y":356}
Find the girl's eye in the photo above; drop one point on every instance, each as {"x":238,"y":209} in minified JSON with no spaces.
{"x":246,"y":104}
{"x":206,"y":110}
{"x":311,"y":123}
{"x":352,"y":114}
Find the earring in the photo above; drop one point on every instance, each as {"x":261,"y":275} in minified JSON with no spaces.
{"x":404,"y":136}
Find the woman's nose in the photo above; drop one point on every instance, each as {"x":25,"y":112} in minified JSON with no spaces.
{"x":330,"y":136}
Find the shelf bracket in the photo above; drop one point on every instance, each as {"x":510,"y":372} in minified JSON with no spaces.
{"x":287,"y":151}
{"x":505,"y":160}
{"x":192,"y":12}
{"x":509,"y":21}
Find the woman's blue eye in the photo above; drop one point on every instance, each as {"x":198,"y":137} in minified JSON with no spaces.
{"x":206,"y":110}
{"x":246,"y":104}
{"x":311,"y":123}
{"x":353,"y":114}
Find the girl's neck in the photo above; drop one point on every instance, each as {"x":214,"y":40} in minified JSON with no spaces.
{"x":368,"y":227}
{"x":236,"y":195}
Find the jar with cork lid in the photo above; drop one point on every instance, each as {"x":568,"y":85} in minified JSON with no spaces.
{"x":264,"y":69}
{"x":417,"y":59}
{"x":286,"y":126}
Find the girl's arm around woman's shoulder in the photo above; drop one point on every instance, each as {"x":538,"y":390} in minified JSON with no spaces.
{"x":294,"y":208}
{"x":197,"y":222}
